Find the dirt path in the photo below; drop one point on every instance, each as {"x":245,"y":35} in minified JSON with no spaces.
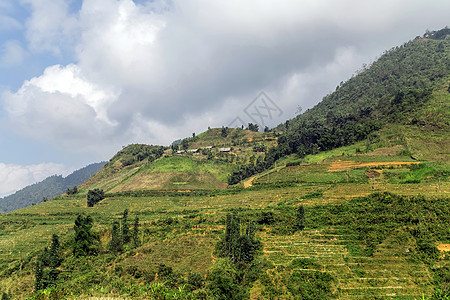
{"x":444,"y":247}
{"x":344,"y":165}
{"x":248,"y":183}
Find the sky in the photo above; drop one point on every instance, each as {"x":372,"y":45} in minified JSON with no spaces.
{"x":80,"y":79}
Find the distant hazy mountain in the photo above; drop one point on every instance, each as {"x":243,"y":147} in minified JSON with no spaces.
{"x":49,"y":188}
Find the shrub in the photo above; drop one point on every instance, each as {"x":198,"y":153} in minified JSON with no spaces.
{"x":94,"y":196}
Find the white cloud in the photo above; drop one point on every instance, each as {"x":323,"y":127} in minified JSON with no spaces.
{"x":9,"y":23}
{"x":157,"y":71}
{"x":51,"y":27}
{"x":62,"y":106}
{"x":12,"y":54}
{"x":14,"y":177}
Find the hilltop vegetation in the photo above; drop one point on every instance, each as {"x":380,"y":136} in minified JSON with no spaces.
{"x":349,"y":200}
{"x":202,"y":162}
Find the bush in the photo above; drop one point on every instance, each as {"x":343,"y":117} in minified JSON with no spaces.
{"x":310,"y":284}
{"x":94,"y":196}
{"x":72,"y":191}
{"x":266,"y":218}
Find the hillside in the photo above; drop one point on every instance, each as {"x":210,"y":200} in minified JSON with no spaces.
{"x":396,"y":89}
{"x":348,"y":201}
{"x":48,"y":188}
{"x":196,"y":163}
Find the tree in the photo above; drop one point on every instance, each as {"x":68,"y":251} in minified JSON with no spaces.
{"x":224,"y":131}
{"x":185,"y":144}
{"x":253,"y":127}
{"x":6,"y":296}
{"x":300,"y":218}
{"x":38,"y":276}
{"x":115,"y":245}
{"x":54,"y":254}
{"x":237,"y":247}
{"x":85,"y":240}
{"x":125,"y":227}
{"x":72,"y":191}
{"x":135,"y":234}
{"x":47,"y":263}
{"x":94,"y":196}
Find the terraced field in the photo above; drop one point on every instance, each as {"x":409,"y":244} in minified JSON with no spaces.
{"x":388,"y":273}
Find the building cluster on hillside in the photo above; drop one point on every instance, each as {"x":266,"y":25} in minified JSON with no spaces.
{"x":197,"y":150}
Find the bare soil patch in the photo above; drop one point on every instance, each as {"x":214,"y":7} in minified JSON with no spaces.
{"x":443,"y":247}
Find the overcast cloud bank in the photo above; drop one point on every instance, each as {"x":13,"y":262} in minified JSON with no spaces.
{"x":152,"y":72}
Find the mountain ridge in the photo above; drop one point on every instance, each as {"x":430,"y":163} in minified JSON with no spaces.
{"x":47,"y":188}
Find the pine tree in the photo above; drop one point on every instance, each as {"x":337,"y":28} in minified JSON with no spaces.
{"x":237,"y":247}
{"x":48,"y":261}
{"x":135,"y":234}
{"x":300,"y":219}
{"x":115,"y":244}
{"x":54,"y":255}
{"x":84,"y":239}
{"x":38,"y":276}
{"x":125,"y":228}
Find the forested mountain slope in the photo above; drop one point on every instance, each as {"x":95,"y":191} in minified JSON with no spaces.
{"x":48,"y":188}
{"x":393,"y":89}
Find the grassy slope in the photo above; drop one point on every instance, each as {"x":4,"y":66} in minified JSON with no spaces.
{"x":186,"y":171}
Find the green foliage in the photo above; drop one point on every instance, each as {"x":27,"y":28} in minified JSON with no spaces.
{"x":236,"y":246}
{"x":300,"y":218}
{"x":136,"y":153}
{"x":195,"y":281}
{"x":224,"y":131}
{"x":253,"y":127}
{"x":94,"y":196}
{"x":72,"y":191}
{"x":6,"y":296}
{"x":135,"y":233}
{"x":125,"y":228}
{"x":46,"y":269}
{"x":165,"y":271}
{"x":115,"y":245}
{"x":316,"y":194}
{"x":266,"y":218}
{"x":303,"y":263}
{"x":221,"y":282}
{"x":38,"y":277}
{"x":85,"y":240}
{"x":375,"y":217}
{"x":310,"y":284}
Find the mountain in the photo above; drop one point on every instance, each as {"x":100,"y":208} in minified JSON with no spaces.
{"x":48,"y":188}
{"x":393,"y":90}
{"x":406,"y":87}
{"x":347,"y":201}
{"x":203,"y":162}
